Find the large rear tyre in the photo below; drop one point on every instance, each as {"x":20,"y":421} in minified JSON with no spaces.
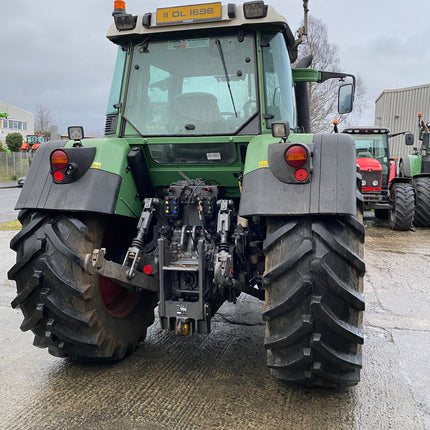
{"x":402,"y":209}
{"x":314,"y":301}
{"x":422,"y":202}
{"x":74,"y":314}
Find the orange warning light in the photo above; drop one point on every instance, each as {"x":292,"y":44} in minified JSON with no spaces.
{"x":119,"y":4}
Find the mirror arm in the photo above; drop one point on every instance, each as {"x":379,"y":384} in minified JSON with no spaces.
{"x":398,"y":134}
{"x":335,"y":75}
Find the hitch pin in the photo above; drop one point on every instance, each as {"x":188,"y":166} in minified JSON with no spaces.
{"x":182,"y":328}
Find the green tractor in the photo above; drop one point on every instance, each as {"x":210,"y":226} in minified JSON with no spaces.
{"x":207,"y":185}
{"x":416,"y":167}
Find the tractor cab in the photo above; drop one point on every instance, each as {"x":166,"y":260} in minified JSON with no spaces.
{"x":373,"y":157}
{"x":389,"y":196}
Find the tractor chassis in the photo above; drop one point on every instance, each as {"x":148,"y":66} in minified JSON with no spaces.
{"x":376,"y":201}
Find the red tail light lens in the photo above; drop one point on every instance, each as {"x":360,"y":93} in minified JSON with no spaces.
{"x":59,"y":159}
{"x":58,"y":176}
{"x":296,"y":156}
{"x":301,"y":174}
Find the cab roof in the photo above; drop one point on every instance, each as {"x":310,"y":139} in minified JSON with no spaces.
{"x":366,"y":130}
{"x":192,"y":18}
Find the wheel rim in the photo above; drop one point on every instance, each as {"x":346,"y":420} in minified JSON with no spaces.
{"x":117,"y":300}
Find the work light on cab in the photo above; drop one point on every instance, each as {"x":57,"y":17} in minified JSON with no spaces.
{"x":123,"y":20}
{"x":75,"y":133}
{"x":281,"y":129}
{"x":254,"y":10}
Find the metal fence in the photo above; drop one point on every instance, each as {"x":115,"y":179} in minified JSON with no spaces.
{"x":14,"y":165}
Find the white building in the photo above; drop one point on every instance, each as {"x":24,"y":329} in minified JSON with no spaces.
{"x":398,"y":110}
{"x":14,"y":120}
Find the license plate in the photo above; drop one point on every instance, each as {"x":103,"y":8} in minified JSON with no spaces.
{"x":189,"y":14}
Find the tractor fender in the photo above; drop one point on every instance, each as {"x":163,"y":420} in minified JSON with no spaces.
{"x":400,"y":180}
{"x":393,"y":172}
{"x":405,"y":167}
{"x":422,"y":175}
{"x":95,"y":191}
{"x":411,"y":165}
{"x":330,"y":189}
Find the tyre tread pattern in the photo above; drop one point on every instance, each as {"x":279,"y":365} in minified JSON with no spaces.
{"x":402,"y":211}
{"x":61,"y":303}
{"x":28,"y":289}
{"x":313,"y":308}
{"x":422,"y":202}
{"x":275,"y":272}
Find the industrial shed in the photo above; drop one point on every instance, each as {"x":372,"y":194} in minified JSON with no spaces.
{"x":14,"y":120}
{"x":398,"y":110}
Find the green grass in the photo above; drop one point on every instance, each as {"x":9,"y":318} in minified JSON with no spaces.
{"x":11,"y":225}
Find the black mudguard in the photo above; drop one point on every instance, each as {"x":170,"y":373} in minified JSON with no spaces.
{"x":94,"y":191}
{"x":406,"y":166}
{"x":331,"y":189}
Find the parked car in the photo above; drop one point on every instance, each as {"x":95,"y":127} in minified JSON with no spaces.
{"x":21,"y":181}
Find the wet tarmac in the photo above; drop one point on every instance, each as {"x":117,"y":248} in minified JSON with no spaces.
{"x":220,"y":381}
{"x":9,"y":193}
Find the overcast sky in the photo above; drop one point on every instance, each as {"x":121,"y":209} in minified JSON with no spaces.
{"x":54,"y":52}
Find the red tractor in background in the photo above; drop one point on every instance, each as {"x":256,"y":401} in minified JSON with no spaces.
{"x":32,"y":142}
{"x":386,"y":194}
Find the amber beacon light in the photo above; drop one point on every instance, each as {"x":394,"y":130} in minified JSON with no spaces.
{"x":123,"y":20}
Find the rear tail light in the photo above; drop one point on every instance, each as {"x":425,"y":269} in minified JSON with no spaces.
{"x":69,"y":164}
{"x":59,"y":165}
{"x":58,"y":175}
{"x":59,"y":160}
{"x":291,"y":162}
{"x":296,"y":156}
{"x":301,"y":174}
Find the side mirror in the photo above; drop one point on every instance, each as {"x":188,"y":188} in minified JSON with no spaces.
{"x":345,"y":98}
{"x":409,"y":139}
